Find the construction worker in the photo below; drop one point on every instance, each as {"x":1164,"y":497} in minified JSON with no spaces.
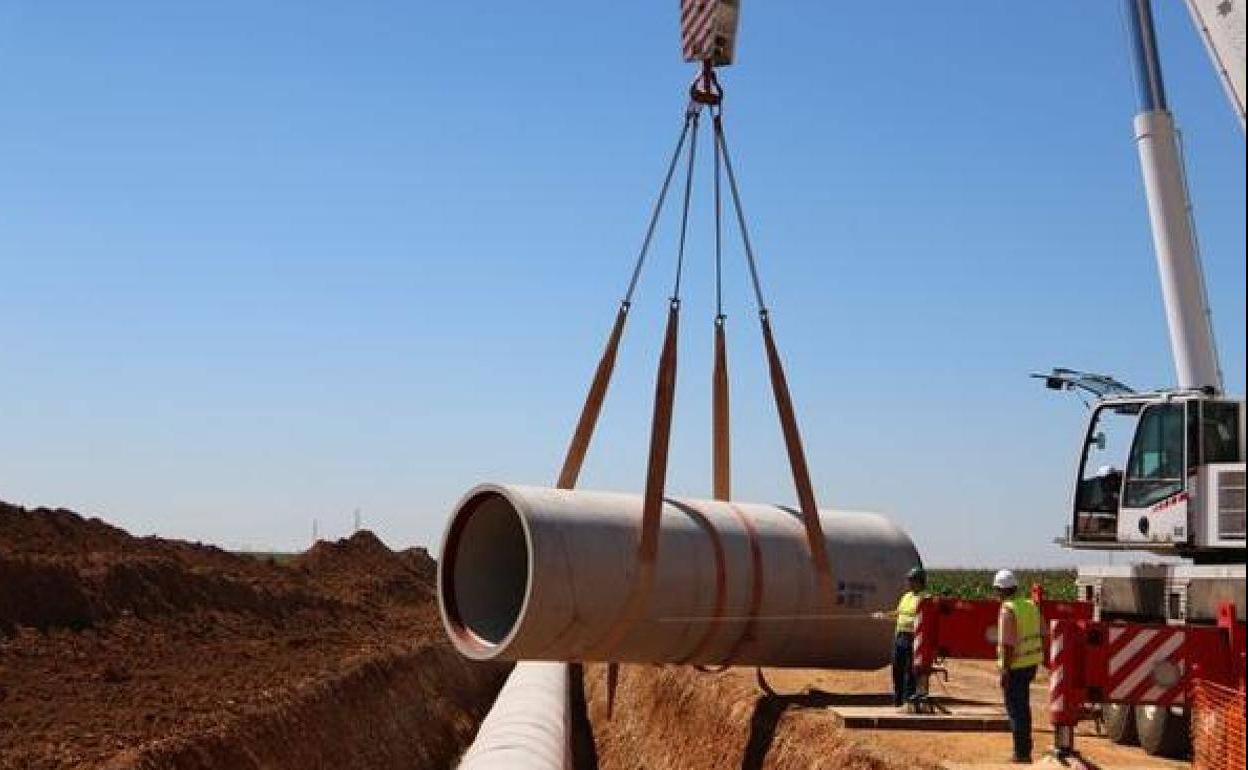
{"x":903,"y":640}
{"x":1020,"y":649}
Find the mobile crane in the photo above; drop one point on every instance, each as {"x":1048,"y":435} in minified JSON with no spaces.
{"x":1163,"y":471}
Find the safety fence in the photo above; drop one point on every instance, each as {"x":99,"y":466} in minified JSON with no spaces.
{"x":1217,"y":727}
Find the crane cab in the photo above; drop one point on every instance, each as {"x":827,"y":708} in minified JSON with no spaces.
{"x":1162,"y":472}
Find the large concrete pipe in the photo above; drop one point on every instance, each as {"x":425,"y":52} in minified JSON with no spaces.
{"x":545,"y":574}
{"x":527,"y":728}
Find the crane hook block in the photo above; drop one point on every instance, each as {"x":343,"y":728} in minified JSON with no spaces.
{"x":708,"y":30}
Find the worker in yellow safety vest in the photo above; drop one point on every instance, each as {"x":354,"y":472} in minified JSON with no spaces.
{"x":1020,"y":650}
{"x":903,"y":640}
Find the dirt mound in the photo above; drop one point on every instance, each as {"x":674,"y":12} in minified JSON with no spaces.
{"x":362,"y":568}
{"x":60,"y":570}
{"x":419,"y":560}
{"x":48,"y":531}
{"x":146,"y":652}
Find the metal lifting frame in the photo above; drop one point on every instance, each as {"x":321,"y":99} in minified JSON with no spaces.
{"x":967,"y":629}
{"x":1090,"y":661}
{"x":1137,"y":664}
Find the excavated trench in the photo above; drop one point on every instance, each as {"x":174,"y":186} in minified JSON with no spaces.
{"x":670,"y":718}
{"x":415,"y":710}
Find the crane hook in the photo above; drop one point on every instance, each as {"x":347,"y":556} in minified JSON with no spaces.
{"x":705,"y":88}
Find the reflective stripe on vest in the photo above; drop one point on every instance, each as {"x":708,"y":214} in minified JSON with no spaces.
{"x":908,"y":612}
{"x":1029,"y":647}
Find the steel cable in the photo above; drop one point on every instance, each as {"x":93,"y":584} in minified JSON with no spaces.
{"x":658,"y":209}
{"x":691,"y":118}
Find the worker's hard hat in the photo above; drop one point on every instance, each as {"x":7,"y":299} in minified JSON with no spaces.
{"x":1004,"y":579}
{"x":916,"y":573}
{"x":1104,"y":471}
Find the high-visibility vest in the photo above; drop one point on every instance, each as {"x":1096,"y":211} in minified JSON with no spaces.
{"x":1029,"y":646}
{"x":908,"y":611}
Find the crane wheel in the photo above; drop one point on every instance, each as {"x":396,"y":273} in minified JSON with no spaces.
{"x":1164,"y":732}
{"x":1120,"y":724}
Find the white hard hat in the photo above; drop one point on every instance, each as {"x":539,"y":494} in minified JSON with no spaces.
{"x":1104,"y":471}
{"x":1004,"y":579}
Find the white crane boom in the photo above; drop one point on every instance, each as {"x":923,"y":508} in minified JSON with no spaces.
{"x":1169,"y":211}
{"x":1221,"y":26}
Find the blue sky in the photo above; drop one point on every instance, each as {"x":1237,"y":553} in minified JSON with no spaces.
{"x":263,"y":262}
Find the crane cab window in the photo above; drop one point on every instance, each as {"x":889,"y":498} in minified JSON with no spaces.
{"x":1155,"y":467}
{"x":1220,"y":429}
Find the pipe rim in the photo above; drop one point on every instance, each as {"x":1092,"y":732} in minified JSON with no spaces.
{"x":467,"y":641}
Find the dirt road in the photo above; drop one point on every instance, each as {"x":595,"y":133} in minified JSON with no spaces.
{"x":969,"y":681}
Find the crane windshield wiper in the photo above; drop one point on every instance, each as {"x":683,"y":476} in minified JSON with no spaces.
{"x":1099,"y":385}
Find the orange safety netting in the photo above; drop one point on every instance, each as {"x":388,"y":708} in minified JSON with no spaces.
{"x":1217,"y":727}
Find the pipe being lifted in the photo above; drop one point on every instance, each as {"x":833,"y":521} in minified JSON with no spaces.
{"x":528,"y":573}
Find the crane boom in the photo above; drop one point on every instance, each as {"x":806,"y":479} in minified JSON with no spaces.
{"x":1221,"y":26}
{"x":1169,"y":212}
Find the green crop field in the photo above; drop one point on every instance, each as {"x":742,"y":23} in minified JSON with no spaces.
{"x":977,"y":583}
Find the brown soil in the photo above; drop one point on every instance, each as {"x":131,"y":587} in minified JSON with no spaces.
{"x":667,"y":717}
{"x":126,"y":652}
{"x":680,"y":718}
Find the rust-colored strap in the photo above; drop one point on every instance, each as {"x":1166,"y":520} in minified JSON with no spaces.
{"x":660,"y":440}
{"x":585,"y":425}
{"x":797,"y":462}
{"x":579,"y":444}
{"x":756,"y":588}
{"x":721,"y":447}
{"x":716,"y":617}
{"x":652,"y":502}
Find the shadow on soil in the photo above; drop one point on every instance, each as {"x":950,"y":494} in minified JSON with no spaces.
{"x":770,"y":709}
{"x":584,"y":751}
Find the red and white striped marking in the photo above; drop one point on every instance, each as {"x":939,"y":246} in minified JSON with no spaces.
{"x":1147,"y":665}
{"x":1057,"y":677}
{"x":697,"y":22}
{"x":919,"y":652}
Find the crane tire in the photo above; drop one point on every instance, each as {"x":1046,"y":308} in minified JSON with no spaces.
{"x":1120,"y":724}
{"x":1163,"y":732}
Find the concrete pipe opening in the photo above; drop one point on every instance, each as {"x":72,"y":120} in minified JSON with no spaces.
{"x":484,"y":572}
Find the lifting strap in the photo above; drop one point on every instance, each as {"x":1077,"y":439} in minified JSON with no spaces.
{"x":721,"y":446}
{"x":661,"y":421}
{"x":588,"y":421}
{"x":721,"y":450}
{"x":579,"y":445}
{"x":784,"y":407}
{"x":660,"y":436}
{"x":664,"y":402}
{"x":784,"y":401}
